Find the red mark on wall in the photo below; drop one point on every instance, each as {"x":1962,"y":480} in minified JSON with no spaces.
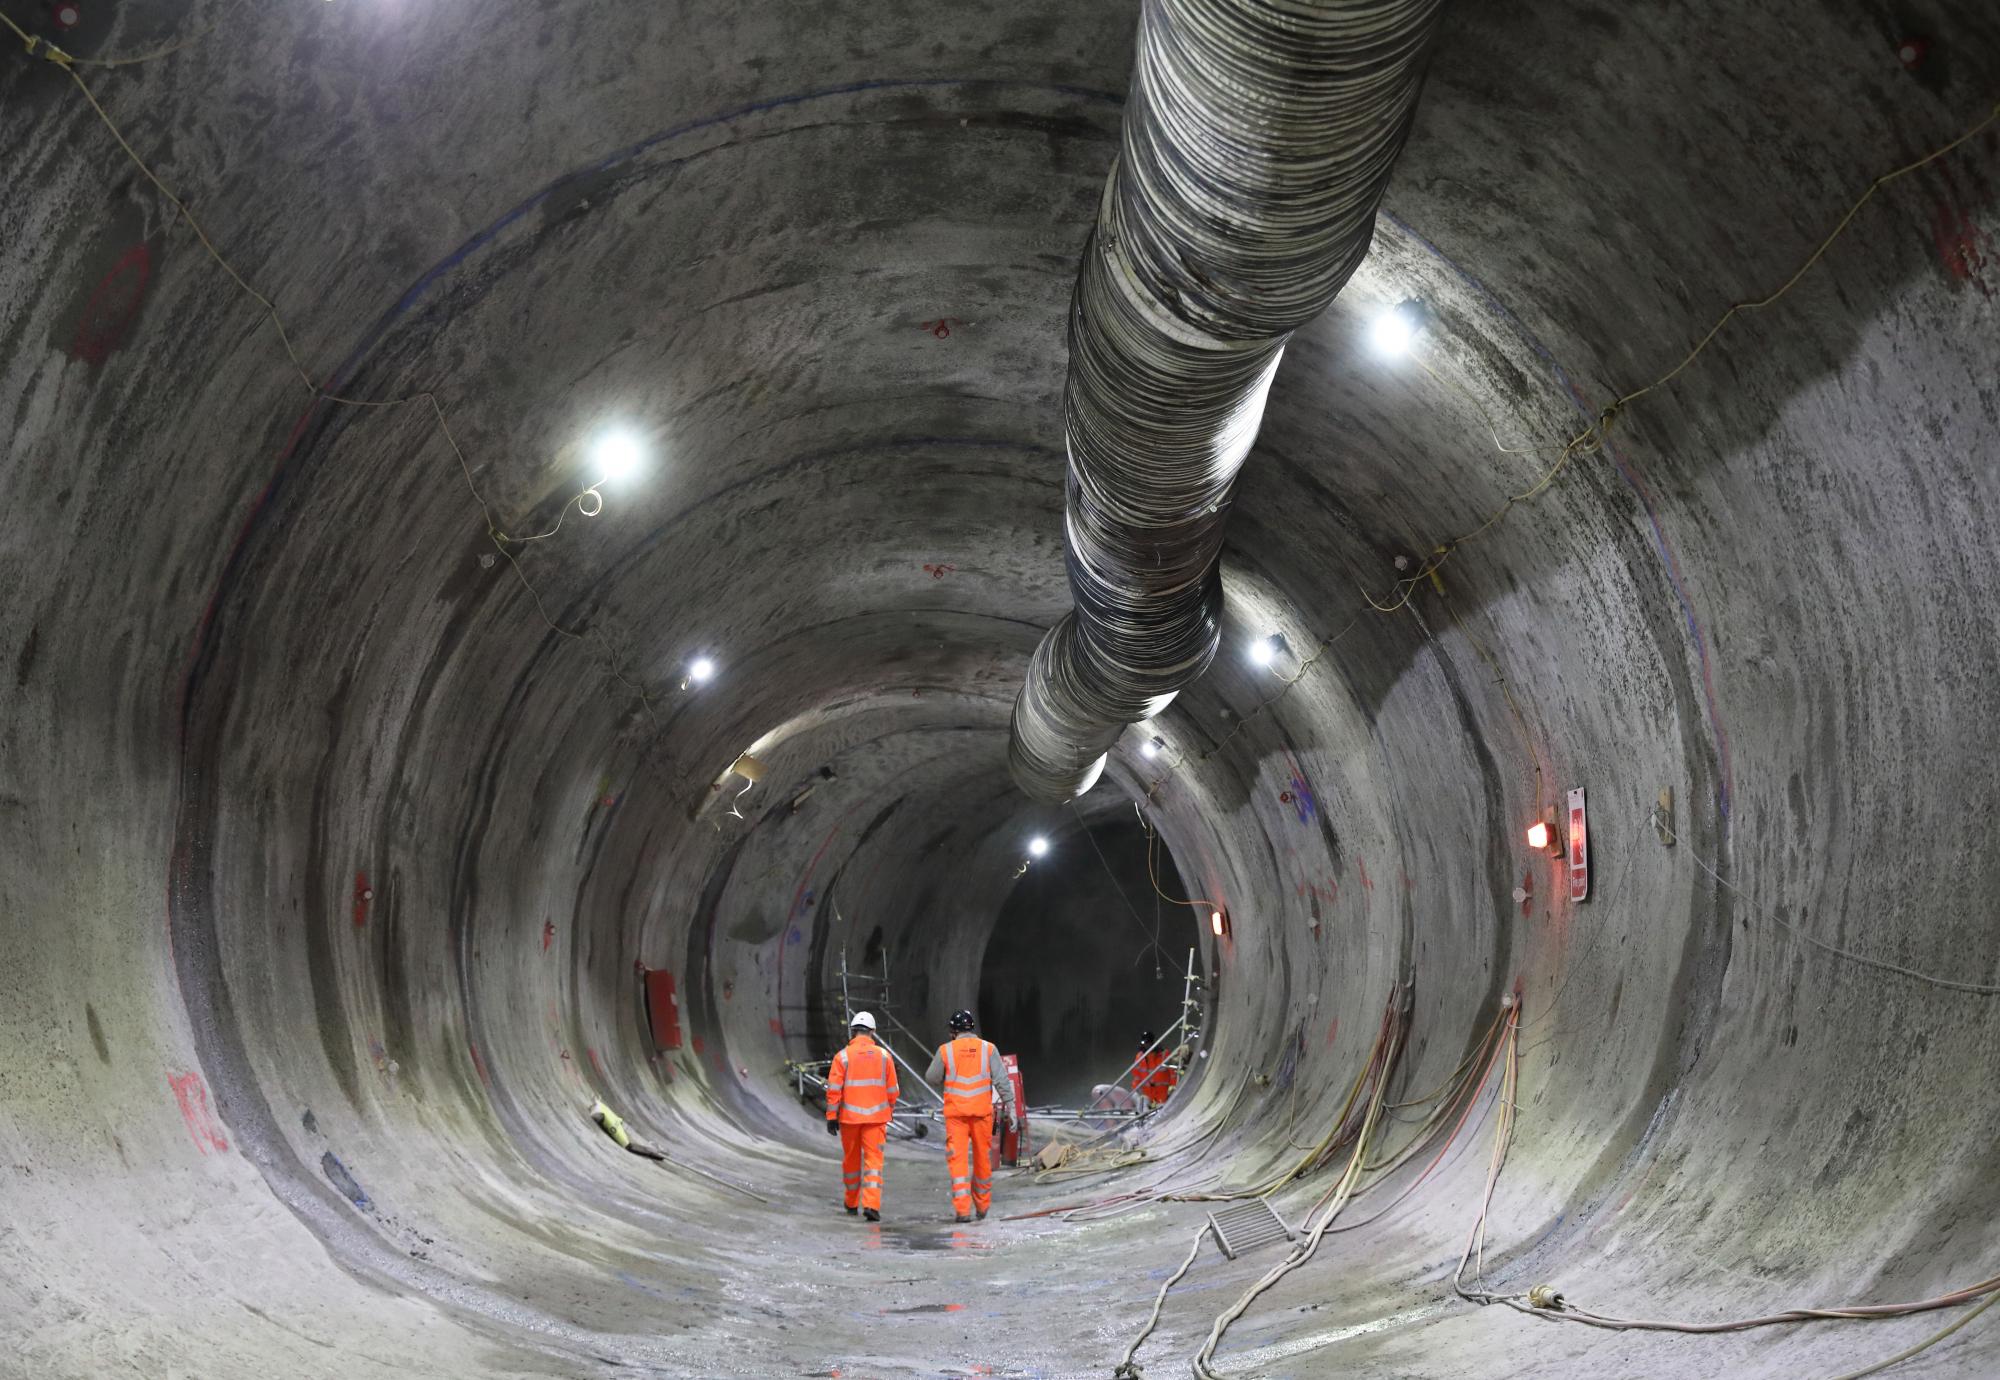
{"x":113,"y":306}
{"x":1962,"y":247}
{"x":479,"y":1065}
{"x":595,"y":1062}
{"x":548,"y":934}
{"x":1362,"y":863}
{"x":192,"y":1095}
{"x":1332,"y":1029}
{"x":938,"y":572}
{"x":363,"y":894}
{"x":777,"y":1026}
{"x":697,"y":1046}
{"x":942,"y":326}
{"x":663,"y":1010}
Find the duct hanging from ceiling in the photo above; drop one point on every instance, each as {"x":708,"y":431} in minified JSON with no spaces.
{"x":1256,"y":146}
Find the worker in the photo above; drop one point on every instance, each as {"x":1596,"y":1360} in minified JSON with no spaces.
{"x":1153,"y":1078}
{"x":860,"y":1094}
{"x":975,"y":1081}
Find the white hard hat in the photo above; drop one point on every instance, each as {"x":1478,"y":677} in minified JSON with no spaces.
{"x":862,"y":1021}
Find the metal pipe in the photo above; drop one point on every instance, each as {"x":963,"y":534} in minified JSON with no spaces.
{"x":1256,"y":145}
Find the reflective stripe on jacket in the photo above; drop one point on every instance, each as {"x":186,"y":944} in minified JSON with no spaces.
{"x":861,"y":1086}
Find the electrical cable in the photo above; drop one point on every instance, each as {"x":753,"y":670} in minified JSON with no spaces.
{"x":1254,"y":150}
{"x":1152,"y":936}
{"x":1128,"y":1367}
{"x":68,"y":63}
{"x":1951,"y":984}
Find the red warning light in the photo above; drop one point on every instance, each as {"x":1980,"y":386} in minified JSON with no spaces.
{"x":1538,"y":835}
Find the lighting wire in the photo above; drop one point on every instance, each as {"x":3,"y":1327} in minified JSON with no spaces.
{"x":1883,"y":965}
{"x":68,"y":63}
{"x":1153,"y":936}
{"x":1544,"y":1302}
{"x":1591,"y":438}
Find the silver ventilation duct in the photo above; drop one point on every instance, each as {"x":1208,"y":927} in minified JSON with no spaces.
{"x":1257,"y":142}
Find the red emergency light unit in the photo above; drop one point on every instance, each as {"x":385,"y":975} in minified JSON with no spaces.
{"x":663,"y":1009}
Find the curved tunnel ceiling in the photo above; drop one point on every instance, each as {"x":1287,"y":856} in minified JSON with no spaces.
{"x":331,"y":859}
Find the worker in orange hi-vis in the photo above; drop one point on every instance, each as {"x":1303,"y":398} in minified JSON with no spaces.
{"x":860,"y":1094}
{"x":1153,"y":1078}
{"x":974,"y":1078}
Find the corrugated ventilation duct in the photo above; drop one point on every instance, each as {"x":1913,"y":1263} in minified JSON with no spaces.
{"x":1258,"y":140}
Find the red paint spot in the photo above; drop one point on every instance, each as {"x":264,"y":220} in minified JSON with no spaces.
{"x":595,"y":1062}
{"x":1362,"y":863}
{"x":1332,"y":1029}
{"x":1409,"y":882}
{"x":777,"y":1026}
{"x":696,"y":1044}
{"x":113,"y":306}
{"x":1962,"y":247}
{"x":942,"y":326}
{"x":363,"y":894}
{"x":938,"y":572}
{"x":479,"y":1064}
{"x":548,"y":934}
{"x":1528,"y":886}
{"x":192,"y":1095}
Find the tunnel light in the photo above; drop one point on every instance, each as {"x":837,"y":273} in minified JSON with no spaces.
{"x":616,"y":456}
{"x":1038,"y":846}
{"x":1152,"y":747}
{"x":1396,"y":329}
{"x":1538,"y":835}
{"x":1218,"y":923}
{"x":701,"y":670}
{"x":1265,"y":650}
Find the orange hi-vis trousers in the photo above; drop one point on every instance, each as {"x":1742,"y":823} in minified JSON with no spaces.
{"x":861,"y":1162}
{"x":968,"y":1147}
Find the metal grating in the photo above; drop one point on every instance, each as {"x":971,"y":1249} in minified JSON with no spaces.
{"x":1246,"y":1227}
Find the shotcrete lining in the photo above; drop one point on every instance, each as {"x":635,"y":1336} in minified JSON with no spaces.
{"x":1770,"y":597}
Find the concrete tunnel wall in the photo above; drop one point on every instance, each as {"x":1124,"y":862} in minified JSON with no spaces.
{"x":822,"y":261}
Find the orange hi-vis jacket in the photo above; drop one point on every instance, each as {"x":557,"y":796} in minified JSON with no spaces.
{"x":861,"y":1087}
{"x":968,"y":1076}
{"x":1152,"y":1078}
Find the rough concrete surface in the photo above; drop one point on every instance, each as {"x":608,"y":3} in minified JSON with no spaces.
{"x":328,"y":861}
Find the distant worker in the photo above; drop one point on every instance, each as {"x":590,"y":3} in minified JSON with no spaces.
{"x":1153,"y":1078}
{"x":974,"y":1078}
{"x":860,"y":1094}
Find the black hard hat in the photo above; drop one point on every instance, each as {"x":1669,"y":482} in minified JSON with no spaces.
{"x":961,"y":1021}
{"x":1145,"y":1038}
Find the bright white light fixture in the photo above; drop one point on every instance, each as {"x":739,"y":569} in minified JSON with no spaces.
{"x":1150,"y":748}
{"x":1264,"y":651}
{"x":701,"y":669}
{"x":616,"y":456}
{"x":1037,"y":846}
{"x":1396,"y":329}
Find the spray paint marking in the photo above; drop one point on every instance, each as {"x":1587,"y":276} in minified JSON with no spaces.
{"x":941,"y":328}
{"x":363,"y":894}
{"x":1961,"y":245}
{"x":938,"y":572}
{"x":548,"y":934}
{"x":192,"y":1095}
{"x":595,"y":1062}
{"x":777,"y":1026}
{"x":479,"y":1065}
{"x":1332,"y":1029}
{"x":113,"y":305}
{"x":1362,"y":863}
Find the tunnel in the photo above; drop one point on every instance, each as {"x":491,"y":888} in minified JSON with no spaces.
{"x":388,"y":778}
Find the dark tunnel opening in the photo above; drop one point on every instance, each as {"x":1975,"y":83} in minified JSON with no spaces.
{"x":1085,"y":955}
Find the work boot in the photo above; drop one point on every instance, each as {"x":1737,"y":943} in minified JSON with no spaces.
{"x":871,"y":1214}
{"x":965,"y":1217}
{"x":854,"y":1212}
{"x":982,"y":1214}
